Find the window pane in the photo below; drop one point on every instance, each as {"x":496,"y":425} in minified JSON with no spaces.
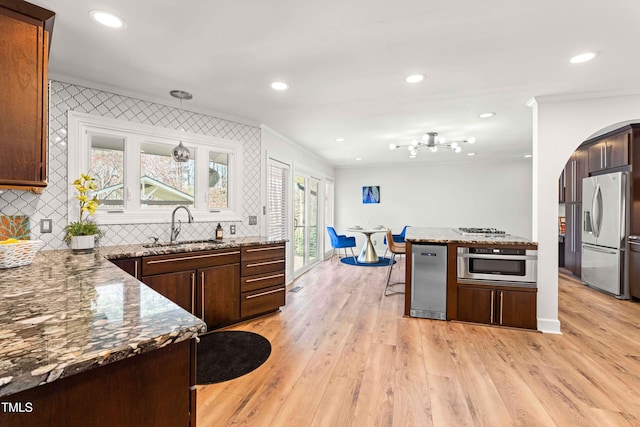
{"x":163,"y":181}
{"x":313,"y":218}
{"x":107,"y":167}
{"x":218,"y":180}
{"x":278,"y":193}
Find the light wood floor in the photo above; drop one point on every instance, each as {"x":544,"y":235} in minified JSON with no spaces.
{"x":343,"y":355}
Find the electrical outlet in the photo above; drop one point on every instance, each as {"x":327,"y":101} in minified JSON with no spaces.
{"x":46,"y":226}
{"x":253,"y":220}
{"x":232,"y":229}
{"x":375,"y":242}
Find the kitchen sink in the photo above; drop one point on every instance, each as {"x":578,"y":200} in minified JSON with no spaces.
{"x":182,"y":243}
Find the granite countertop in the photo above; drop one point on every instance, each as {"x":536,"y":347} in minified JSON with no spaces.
{"x":146,"y":249}
{"x":71,"y":312}
{"x":450,"y":235}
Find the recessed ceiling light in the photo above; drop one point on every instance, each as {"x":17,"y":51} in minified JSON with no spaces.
{"x":471,"y":154}
{"x":339,"y":139}
{"x":583,"y":57}
{"x":358,"y":158}
{"x":528,"y":156}
{"x":487,"y":115}
{"x":415,"y":78}
{"x":107,"y":19}
{"x":279,"y":86}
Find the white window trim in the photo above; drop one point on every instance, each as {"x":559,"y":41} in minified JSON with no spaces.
{"x":79,"y":126}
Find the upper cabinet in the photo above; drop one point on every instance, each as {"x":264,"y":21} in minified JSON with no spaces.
{"x":25,"y":33}
{"x":571,"y":178}
{"x":610,"y":152}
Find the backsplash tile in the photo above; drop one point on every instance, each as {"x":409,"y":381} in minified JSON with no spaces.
{"x":53,"y":202}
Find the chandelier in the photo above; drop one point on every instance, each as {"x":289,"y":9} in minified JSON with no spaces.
{"x":431,"y":141}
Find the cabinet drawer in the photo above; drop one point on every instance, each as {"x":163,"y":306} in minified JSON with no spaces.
{"x":157,"y":264}
{"x":252,"y":268}
{"x":262,"y":301}
{"x":252,"y":253}
{"x":252,"y":283}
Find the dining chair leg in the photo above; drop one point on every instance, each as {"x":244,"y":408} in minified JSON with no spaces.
{"x":389,"y":271}
{"x":354,"y":255}
{"x":386,"y":288}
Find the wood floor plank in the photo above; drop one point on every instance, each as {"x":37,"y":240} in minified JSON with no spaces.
{"x":449,"y":407}
{"x":343,"y":355}
{"x":338,"y":403}
{"x":300,"y":406}
{"x":374,"y":406}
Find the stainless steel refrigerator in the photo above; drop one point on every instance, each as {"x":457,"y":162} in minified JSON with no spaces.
{"x":605,"y":225}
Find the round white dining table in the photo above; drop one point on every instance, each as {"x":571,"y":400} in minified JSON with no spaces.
{"x":368,"y":254}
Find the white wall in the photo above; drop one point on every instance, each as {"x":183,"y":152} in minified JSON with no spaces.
{"x":472,"y":193}
{"x":559,"y":127}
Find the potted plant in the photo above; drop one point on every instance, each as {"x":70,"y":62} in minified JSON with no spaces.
{"x":84,"y":233}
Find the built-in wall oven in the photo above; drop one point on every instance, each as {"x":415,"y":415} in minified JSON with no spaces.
{"x":497,"y":264}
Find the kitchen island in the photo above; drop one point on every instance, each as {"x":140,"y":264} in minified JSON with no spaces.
{"x":505,"y":301}
{"x":84,"y":342}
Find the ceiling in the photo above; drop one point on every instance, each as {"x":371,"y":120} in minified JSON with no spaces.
{"x":346,"y":63}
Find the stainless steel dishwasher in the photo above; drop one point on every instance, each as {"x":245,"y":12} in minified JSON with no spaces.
{"x":429,"y":281}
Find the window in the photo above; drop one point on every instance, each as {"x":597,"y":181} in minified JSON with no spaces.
{"x":328,"y":212}
{"x":137,"y":178}
{"x":277,"y":199}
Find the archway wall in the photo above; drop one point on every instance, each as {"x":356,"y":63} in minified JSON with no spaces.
{"x":559,"y":127}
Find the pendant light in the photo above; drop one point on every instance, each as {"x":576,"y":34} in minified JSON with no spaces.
{"x":181,"y":153}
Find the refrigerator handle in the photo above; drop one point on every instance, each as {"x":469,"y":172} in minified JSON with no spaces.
{"x":597,"y":217}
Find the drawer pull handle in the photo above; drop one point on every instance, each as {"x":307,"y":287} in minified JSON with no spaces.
{"x":160,"y":261}
{"x":265,"y":249}
{"x":258,"y":279}
{"x":501,"y":305}
{"x":257,"y":264}
{"x":265,"y":293}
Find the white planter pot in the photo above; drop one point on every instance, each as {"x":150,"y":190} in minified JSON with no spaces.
{"x":83,"y":242}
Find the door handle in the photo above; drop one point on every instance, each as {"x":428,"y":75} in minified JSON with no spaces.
{"x":202,"y":289}
{"x":492,"y":305}
{"x":193,"y":293}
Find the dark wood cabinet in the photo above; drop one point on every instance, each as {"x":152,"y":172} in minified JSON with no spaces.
{"x":220,"y":286}
{"x":502,"y":306}
{"x":263,"y":279}
{"x":205,"y":283}
{"x":25,"y":31}
{"x":574,"y":171}
{"x":634,"y":269}
{"x":130,"y":265}
{"x":610,"y":152}
{"x":179,"y":287}
{"x":573,"y":238}
{"x":219,"y":295}
{"x":155,"y":388}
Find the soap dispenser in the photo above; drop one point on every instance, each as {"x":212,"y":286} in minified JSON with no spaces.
{"x":219,"y":232}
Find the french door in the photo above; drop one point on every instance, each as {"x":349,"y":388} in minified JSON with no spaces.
{"x":305,"y":221}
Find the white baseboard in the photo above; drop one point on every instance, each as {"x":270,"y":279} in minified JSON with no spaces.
{"x":549,"y":326}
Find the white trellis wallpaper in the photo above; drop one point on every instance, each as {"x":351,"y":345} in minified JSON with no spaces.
{"x":52,"y":203}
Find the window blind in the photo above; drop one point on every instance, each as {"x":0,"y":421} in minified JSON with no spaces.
{"x":277,"y":200}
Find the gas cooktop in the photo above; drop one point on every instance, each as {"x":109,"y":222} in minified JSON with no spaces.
{"x":478,"y":231}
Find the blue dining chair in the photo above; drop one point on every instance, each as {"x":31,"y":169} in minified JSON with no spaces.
{"x":397,"y":238}
{"x":340,"y":241}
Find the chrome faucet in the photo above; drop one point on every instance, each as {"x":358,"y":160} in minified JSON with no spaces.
{"x":176,"y":230}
